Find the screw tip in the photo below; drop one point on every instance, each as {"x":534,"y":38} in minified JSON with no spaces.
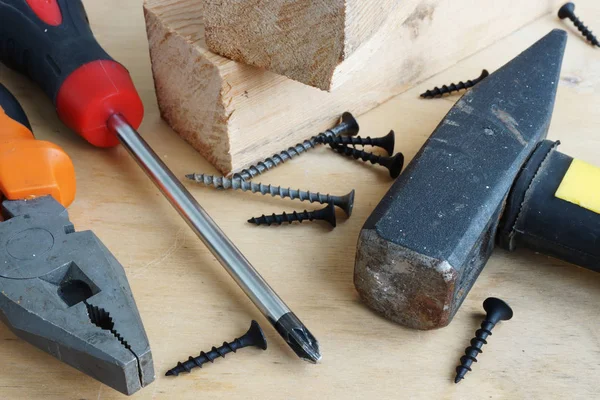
{"x":190,"y":176}
{"x":171,"y":373}
{"x":458,"y":379}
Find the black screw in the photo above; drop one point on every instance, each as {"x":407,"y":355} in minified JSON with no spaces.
{"x":497,"y":310}
{"x":347,"y":126}
{"x":438,"y":92}
{"x":325,"y":214}
{"x":387,"y":142}
{"x":254,"y":337}
{"x":345,"y":202}
{"x":568,"y":11}
{"x":393,"y":164}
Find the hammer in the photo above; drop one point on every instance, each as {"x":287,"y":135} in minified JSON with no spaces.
{"x":486,"y":176}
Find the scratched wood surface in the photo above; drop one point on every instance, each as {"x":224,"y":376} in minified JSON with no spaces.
{"x":551,"y":349}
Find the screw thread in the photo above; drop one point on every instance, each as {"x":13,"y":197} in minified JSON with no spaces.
{"x":275,"y":191}
{"x":585,"y":31}
{"x":347,"y":140}
{"x":275,"y":160}
{"x":393,"y":164}
{"x":203,"y":358}
{"x":361,"y":155}
{"x":474,"y":350}
{"x":383,"y":143}
{"x":454,"y":87}
{"x":278,"y":219}
{"x":347,"y":125}
{"x":253,"y":337}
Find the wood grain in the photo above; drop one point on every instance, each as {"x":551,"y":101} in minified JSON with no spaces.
{"x":235,"y":114}
{"x":549,"y":350}
{"x":304,"y":40}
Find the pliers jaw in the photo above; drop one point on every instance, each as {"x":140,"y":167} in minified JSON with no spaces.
{"x":65,"y":293}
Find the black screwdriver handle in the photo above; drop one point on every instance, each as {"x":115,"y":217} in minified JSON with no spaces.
{"x":45,"y":53}
{"x":12,"y":108}
{"x":52,"y":43}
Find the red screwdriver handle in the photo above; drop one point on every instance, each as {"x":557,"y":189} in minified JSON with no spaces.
{"x":52,"y":43}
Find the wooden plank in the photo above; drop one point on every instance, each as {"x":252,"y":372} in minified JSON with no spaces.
{"x":235,"y":114}
{"x":304,"y":40}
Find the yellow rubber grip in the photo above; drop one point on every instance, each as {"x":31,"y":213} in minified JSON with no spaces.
{"x":581,"y":186}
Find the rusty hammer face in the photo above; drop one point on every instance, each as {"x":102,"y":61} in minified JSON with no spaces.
{"x":425,"y":244}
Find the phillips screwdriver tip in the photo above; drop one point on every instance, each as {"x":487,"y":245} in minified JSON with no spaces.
{"x":299,"y":338}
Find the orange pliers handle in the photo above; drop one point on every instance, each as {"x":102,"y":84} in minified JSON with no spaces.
{"x":30,"y":168}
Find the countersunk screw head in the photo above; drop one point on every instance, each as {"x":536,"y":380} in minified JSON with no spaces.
{"x":497,"y":310}
{"x":566,"y":11}
{"x":329,"y":215}
{"x":351,"y":124}
{"x":346,"y":203}
{"x":254,"y":337}
{"x":396,"y":165}
{"x":389,"y":142}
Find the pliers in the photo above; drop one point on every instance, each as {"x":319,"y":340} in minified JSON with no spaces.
{"x":61,"y":290}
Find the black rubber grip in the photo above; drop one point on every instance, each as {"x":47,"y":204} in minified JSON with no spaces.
{"x":544,"y":223}
{"x":45,"y":53}
{"x":12,"y":108}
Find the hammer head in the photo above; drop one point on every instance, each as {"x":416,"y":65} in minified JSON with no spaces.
{"x":425,"y":244}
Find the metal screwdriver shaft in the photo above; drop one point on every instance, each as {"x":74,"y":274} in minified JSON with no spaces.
{"x":256,"y":288}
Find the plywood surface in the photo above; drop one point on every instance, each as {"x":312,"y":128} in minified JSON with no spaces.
{"x":551,"y":349}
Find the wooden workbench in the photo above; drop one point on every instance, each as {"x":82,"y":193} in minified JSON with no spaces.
{"x":551,"y":348}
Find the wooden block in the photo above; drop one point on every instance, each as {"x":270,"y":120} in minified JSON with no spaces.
{"x":305,"y":40}
{"x":235,"y":114}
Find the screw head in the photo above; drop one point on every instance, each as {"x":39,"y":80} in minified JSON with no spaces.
{"x":347,"y":203}
{"x":497,"y":310}
{"x":330,"y":215}
{"x":254,"y":337}
{"x":351,"y":124}
{"x":397,"y":165}
{"x":566,"y":11}
{"x":389,"y":142}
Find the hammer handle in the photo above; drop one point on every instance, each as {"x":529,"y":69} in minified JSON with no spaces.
{"x":554,"y":209}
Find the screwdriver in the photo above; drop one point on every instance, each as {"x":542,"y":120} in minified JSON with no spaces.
{"x":51,"y":42}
